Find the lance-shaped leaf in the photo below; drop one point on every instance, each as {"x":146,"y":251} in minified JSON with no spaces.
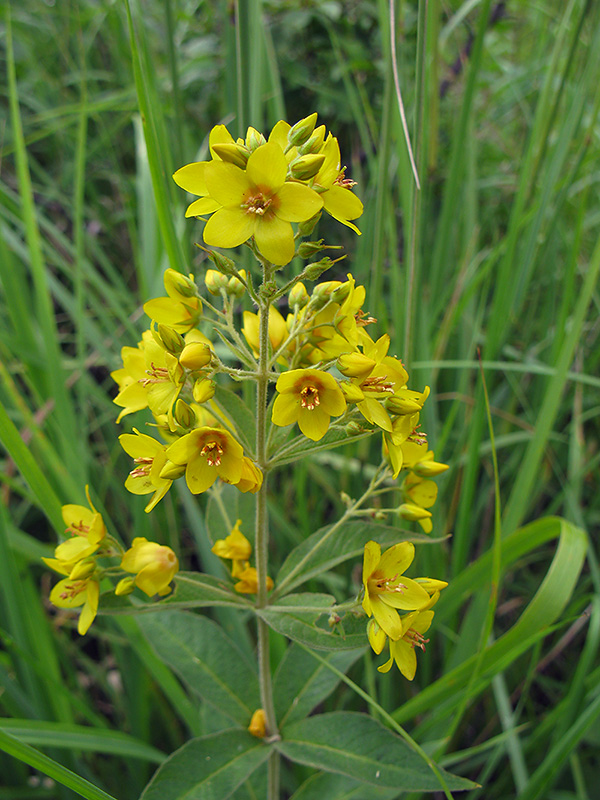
{"x":238,"y":415}
{"x":339,"y":787}
{"x":209,"y":768}
{"x":295,"y":616}
{"x":359,"y":747}
{"x":334,"y":544}
{"x":207,"y":660}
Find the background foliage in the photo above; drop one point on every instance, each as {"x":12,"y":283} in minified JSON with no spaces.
{"x":498,"y":251}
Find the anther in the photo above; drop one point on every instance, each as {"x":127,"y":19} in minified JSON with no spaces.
{"x":310,"y":398}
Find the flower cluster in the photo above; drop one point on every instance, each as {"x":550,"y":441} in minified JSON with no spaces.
{"x":386,"y":592}
{"x":254,"y":188}
{"x":85,"y":559}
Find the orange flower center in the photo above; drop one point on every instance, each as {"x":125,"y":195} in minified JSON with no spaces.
{"x":145,"y":465}
{"x":310,"y":397}
{"x":212,"y":452}
{"x":256,"y":201}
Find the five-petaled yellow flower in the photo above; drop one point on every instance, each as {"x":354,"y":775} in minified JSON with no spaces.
{"x":208,"y":454}
{"x":386,"y":588}
{"x":310,"y":398}
{"x":258,"y":202}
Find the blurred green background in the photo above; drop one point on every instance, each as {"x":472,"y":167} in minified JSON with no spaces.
{"x":498,"y":252}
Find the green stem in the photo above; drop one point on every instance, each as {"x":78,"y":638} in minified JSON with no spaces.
{"x":262,"y":538}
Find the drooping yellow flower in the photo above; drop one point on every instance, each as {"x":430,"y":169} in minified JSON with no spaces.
{"x":235,"y":547}
{"x":133,"y":395}
{"x":422,"y":494}
{"x":258,"y":724}
{"x":385,"y":587}
{"x":70,"y":593}
{"x":309,"y":397}
{"x":251,"y":479}
{"x":258,"y":202}
{"x":208,"y":454}
{"x":153,"y":564}
{"x":150,"y":457}
{"x":87,"y":530}
{"x":248,"y":582}
{"x":182,"y":308}
{"x":338,"y":199}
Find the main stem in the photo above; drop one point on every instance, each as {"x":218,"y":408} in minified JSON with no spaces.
{"x":262,"y":538}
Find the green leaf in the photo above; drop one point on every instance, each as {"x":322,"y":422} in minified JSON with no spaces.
{"x":359,"y":747}
{"x":208,"y":768}
{"x":301,"y":446}
{"x":225,"y":506}
{"x":240,"y":416}
{"x":295,"y":616}
{"x":339,"y":787}
{"x":192,"y":590}
{"x":334,"y":544}
{"x":80,"y":737}
{"x":207,"y":660}
{"x":301,"y":683}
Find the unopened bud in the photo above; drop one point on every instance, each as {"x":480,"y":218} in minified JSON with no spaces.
{"x":298,"y":296}
{"x":258,"y":724}
{"x":82,"y":569}
{"x":235,"y":287}
{"x":307,"y":227}
{"x":195,"y":355}
{"x":323,"y":291}
{"x":184,"y":414}
{"x":315,"y":141}
{"x":354,"y":429}
{"x":125,"y":586}
{"x":334,"y":619}
{"x":215,"y":281}
{"x":306,"y":167}
{"x":171,"y":471}
{"x":222,"y":263}
{"x":352,"y":392}
{"x":170,"y":339}
{"x":431,"y":585}
{"x":400,"y":404}
{"x":302,"y":130}
{"x":412,"y":512}
{"x":204,"y":390}
{"x":342,"y":292}
{"x":176,"y":283}
{"x":380,"y":516}
{"x":355,"y":365}
{"x":254,"y":139}
{"x":233,"y":153}
{"x":429,"y":469}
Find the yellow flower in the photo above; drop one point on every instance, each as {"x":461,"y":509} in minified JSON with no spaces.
{"x":87,"y":530}
{"x":386,"y":589}
{"x":182,"y":308}
{"x":132,"y":395}
{"x":235,"y":547}
{"x":309,"y":397}
{"x":149,"y":456}
{"x":208,"y":454}
{"x":277,"y":329}
{"x":402,"y":651}
{"x":422,"y":494}
{"x":163,"y":380}
{"x":338,"y":200}
{"x":258,"y":724}
{"x":258,"y":202}
{"x":70,"y":593}
{"x":251,"y":479}
{"x":154,"y":566}
{"x":248,"y":582}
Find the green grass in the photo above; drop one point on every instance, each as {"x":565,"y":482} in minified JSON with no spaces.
{"x":499,"y":252}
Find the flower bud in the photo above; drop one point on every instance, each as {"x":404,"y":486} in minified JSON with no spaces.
{"x":341,"y":292}
{"x":233,"y":153}
{"x":254,"y":139}
{"x":154,"y":564}
{"x":380,"y":516}
{"x":355,"y":365}
{"x":315,"y":141}
{"x":298,"y":296}
{"x":125,"y":586}
{"x":412,"y":512}
{"x":204,"y":390}
{"x":83,"y":569}
{"x":169,"y":339}
{"x":258,"y":724}
{"x":352,"y":392}
{"x":306,"y":167}
{"x":400,"y":404}
{"x":215,"y":281}
{"x":307,"y":227}
{"x":324,"y":290}
{"x":431,"y":585}
{"x":354,"y":428}
{"x":222,"y":263}
{"x":235,"y":287}
{"x":302,"y":130}
{"x":171,"y":471}
{"x":195,"y":355}
{"x":429,"y":469}
{"x":178,"y":284}
{"x":184,"y":414}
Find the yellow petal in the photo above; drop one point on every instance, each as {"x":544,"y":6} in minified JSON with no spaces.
{"x":206,"y":205}
{"x":387,"y":618}
{"x":372,"y":556}
{"x":267,"y":167}
{"x":405,"y":658}
{"x":199,"y":475}
{"x":229,"y":227}
{"x":274,"y":239}
{"x":191,"y":178}
{"x":412,"y":596}
{"x":286,"y":409}
{"x":313,"y":422}
{"x":90,"y":608}
{"x":397,"y":559}
{"x":342,"y":204}
{"x":227,"y":183}
{"x":297,"y":202}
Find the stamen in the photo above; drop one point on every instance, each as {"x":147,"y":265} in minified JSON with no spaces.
{"x":417,"y":436}
{"x":158,"y":375}
{"x":362,"y":319}
{"x":310,"y":398}
{"x":415,"y":639}
{"x":212,"y":452}
{"x":143,"y":469}
{"x":257,"y":204}
{"x":72,"y":590}
{"x":77,"y":528}
{"x":379,"y":385}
